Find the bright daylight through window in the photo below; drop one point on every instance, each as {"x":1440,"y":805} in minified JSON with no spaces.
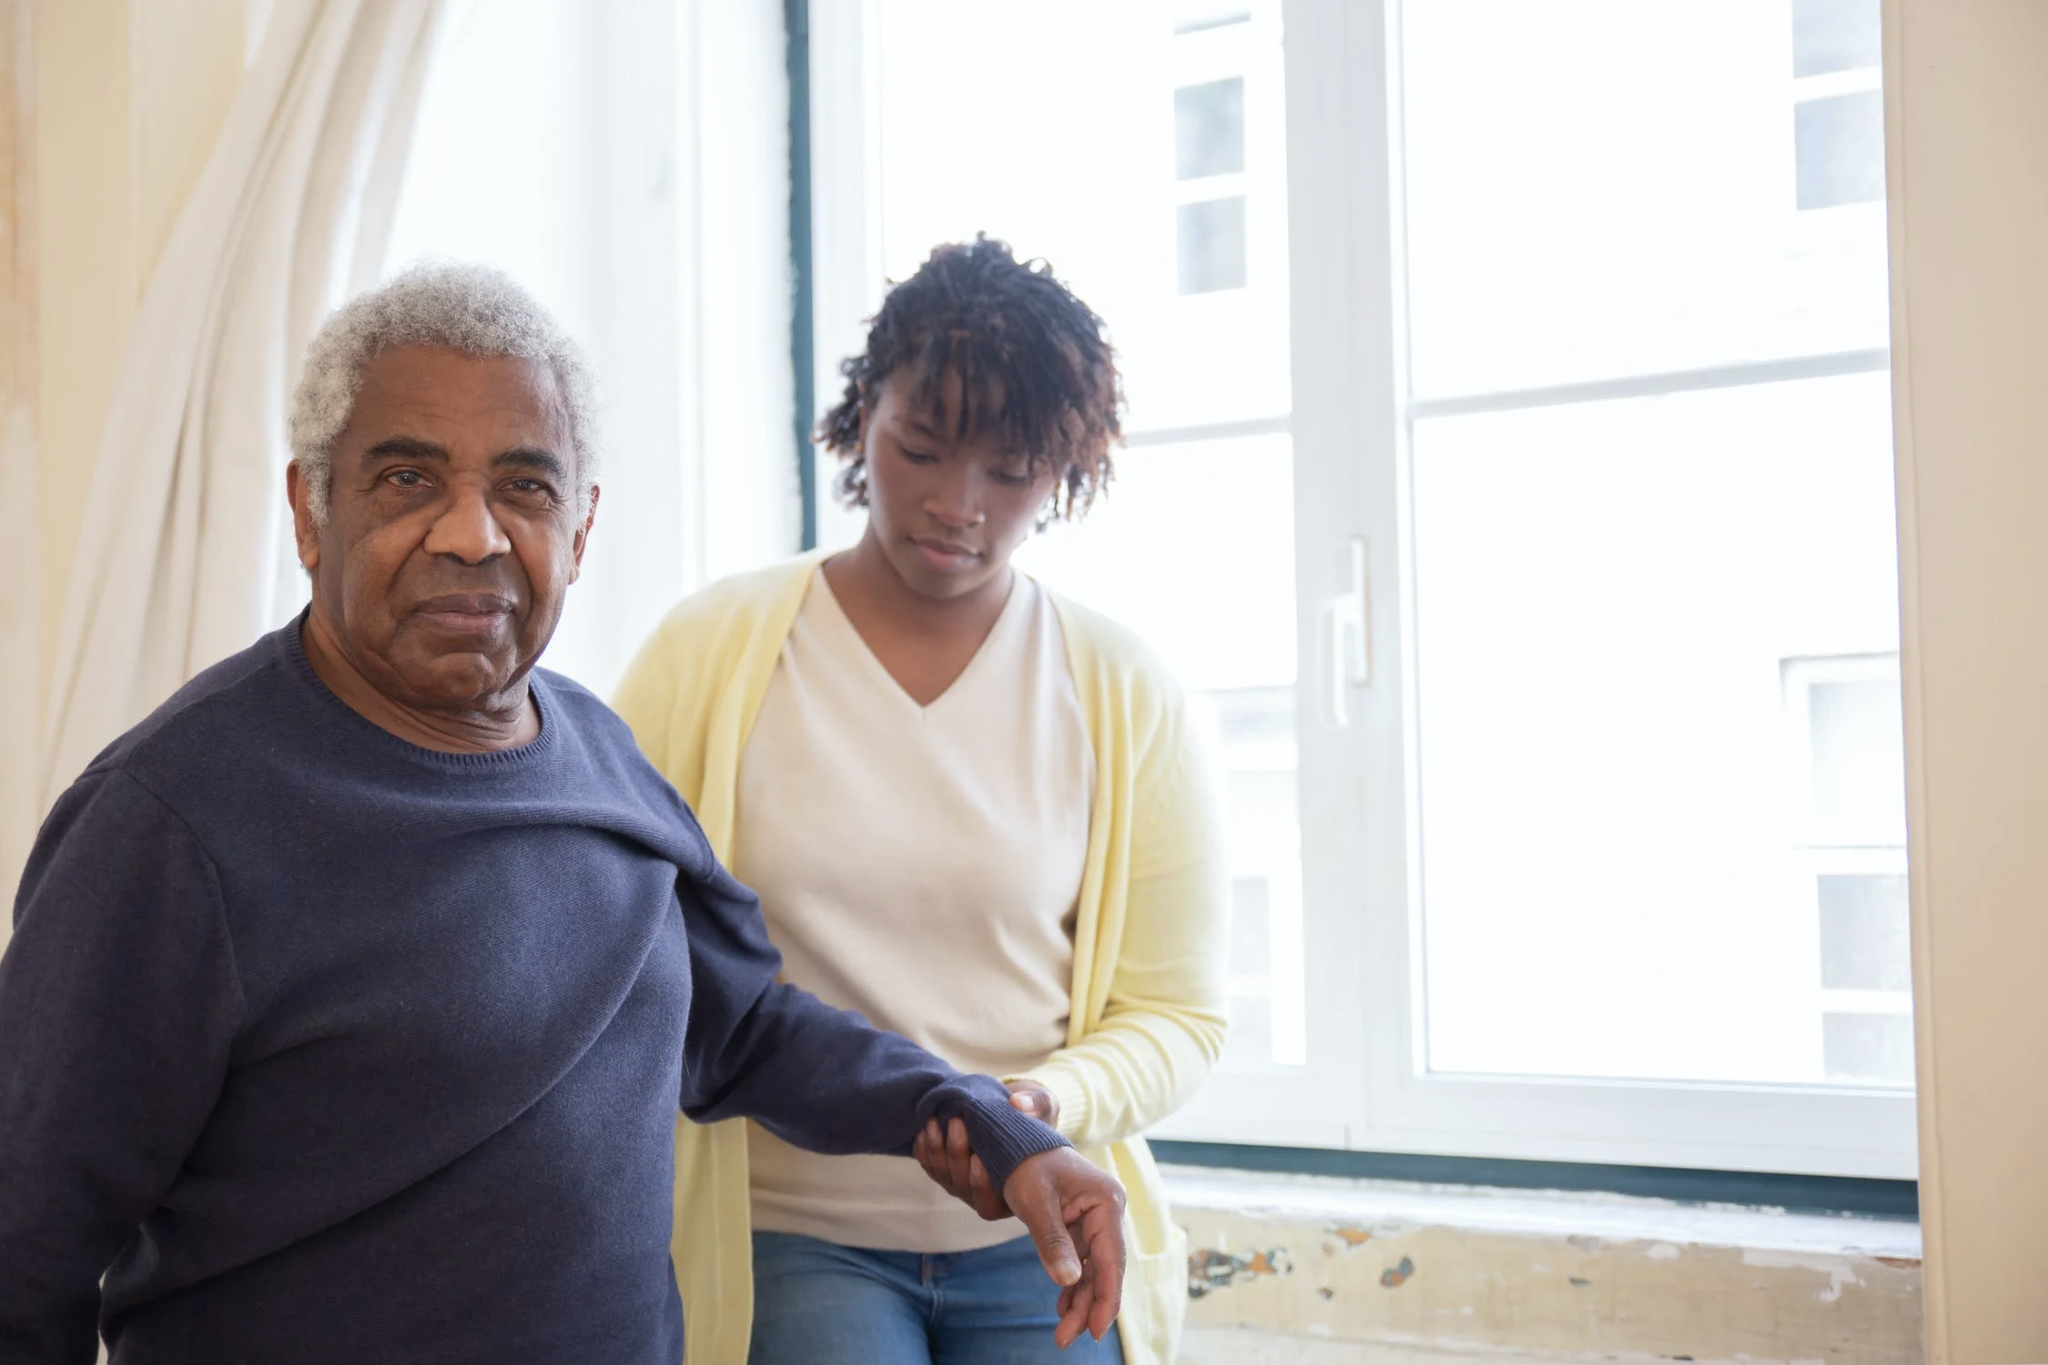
{"x":1510,"y":481}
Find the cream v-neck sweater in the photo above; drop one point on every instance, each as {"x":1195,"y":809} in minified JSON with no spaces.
{"x":918,"y":864}
{"x":1145,"y":1006}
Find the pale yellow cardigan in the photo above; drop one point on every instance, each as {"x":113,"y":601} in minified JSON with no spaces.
{"x":1147,"y":1018}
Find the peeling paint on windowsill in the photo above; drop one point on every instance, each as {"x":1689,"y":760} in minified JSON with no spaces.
{"x":1394,"y":1268}
{"x":1369,"y":1208}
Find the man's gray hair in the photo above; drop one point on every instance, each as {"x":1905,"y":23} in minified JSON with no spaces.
{"x":467,"y":308}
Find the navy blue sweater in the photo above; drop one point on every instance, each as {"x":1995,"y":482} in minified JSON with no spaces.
{"x":320,"y":1046}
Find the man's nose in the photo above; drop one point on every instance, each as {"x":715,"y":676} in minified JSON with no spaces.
{"x":468,"y":530}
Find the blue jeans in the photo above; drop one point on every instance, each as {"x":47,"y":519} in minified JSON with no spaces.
{"x":818,"y":1303}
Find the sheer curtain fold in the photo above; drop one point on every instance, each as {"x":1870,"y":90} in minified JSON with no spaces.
{"x":186,"y":552}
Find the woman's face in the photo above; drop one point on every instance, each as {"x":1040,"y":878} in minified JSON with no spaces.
{"x":946,"y":511}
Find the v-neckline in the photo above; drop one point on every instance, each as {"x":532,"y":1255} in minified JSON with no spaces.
{"x":879,"y":671}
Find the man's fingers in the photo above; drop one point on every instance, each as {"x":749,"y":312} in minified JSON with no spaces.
{"x":1102,"y":1231}
{"x":1040,"y":1210}
{"x":1076,"y":1305}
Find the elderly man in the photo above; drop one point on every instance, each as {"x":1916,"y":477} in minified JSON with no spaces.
{"x":353,"y":993}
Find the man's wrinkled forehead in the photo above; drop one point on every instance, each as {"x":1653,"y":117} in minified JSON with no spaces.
{"x":407,"y":390}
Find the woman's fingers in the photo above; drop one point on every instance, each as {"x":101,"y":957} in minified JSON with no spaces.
{"x":959,"y":1156}
{"x":986,"y":1198}
{"x":929,"y":1149}
{"x":1034,"y":1099}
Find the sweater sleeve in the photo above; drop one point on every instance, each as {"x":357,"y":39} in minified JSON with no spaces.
{"x":1164,"y":1020}
{"x":821,"y":1078}
{"x":118,"y":1005}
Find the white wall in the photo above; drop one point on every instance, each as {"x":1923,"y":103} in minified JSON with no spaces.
{"x":1967,"y":112}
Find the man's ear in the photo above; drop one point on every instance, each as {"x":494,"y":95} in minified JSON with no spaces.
{"x":304,"y":532}
{"x":583,"y":536}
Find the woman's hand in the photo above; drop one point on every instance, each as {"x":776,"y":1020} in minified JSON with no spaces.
{"x":952,"y":1165}
{"x":1035,"y":1100}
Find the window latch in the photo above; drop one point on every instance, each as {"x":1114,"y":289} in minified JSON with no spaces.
{"x":1344,"y":634}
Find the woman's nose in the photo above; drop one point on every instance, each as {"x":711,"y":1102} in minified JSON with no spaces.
{"x":955,"y":499}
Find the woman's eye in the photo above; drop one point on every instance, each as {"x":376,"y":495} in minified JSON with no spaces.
{"x":1012,"y":478}
{"x":918,"y":456}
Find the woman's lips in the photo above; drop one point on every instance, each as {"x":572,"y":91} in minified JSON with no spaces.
{"x":945,"y":556}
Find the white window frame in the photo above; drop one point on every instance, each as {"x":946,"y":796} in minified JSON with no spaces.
{"x":1366,"y":1086}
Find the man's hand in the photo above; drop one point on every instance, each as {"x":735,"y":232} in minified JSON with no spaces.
{"x":1075,"y":1213}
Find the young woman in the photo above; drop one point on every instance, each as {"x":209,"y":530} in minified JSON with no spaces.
{"x":974,"y":811}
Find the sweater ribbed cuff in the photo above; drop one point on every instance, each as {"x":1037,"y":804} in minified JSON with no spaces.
{"x":1005,"y":1138}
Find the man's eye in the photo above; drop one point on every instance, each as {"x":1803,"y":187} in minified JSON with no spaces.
{"x":404,"y":478}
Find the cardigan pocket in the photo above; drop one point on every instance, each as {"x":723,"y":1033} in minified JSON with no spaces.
{"x":1157,"y":1286}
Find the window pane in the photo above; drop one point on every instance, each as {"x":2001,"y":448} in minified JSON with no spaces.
{"x":1096,"y":143}
{"x":1864,"y":935}
{"x":1598,"y":188}
{"x":1859,"y":763}
{"x":1192,"y":16}
{"x":1076,"y":151}
{"x":1869,"y":1049}
{"x":1147,"y":555}
{"x":1617,"y":776}
{"x":1212,"y":246}
{"x":1840,"y":150}
{"x":1208,"y":129}
{"x":1835,"y":35}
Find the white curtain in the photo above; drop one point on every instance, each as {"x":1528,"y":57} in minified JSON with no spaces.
{"x":186,"y":551}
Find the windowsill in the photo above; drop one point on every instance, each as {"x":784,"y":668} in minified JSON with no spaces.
{"x":1896,"y":1199}
{"x":1279,"y":1257}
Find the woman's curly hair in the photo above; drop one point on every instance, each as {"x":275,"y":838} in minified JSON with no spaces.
{"x":1032,"y":362}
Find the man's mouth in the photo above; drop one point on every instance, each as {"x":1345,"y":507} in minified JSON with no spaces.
{"x":465,"y":613}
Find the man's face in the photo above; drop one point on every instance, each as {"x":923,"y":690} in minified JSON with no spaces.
{"x":452,"y":531}
{"x":947,"y":510}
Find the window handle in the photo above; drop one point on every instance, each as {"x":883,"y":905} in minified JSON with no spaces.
{"x":1344,"y":634}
